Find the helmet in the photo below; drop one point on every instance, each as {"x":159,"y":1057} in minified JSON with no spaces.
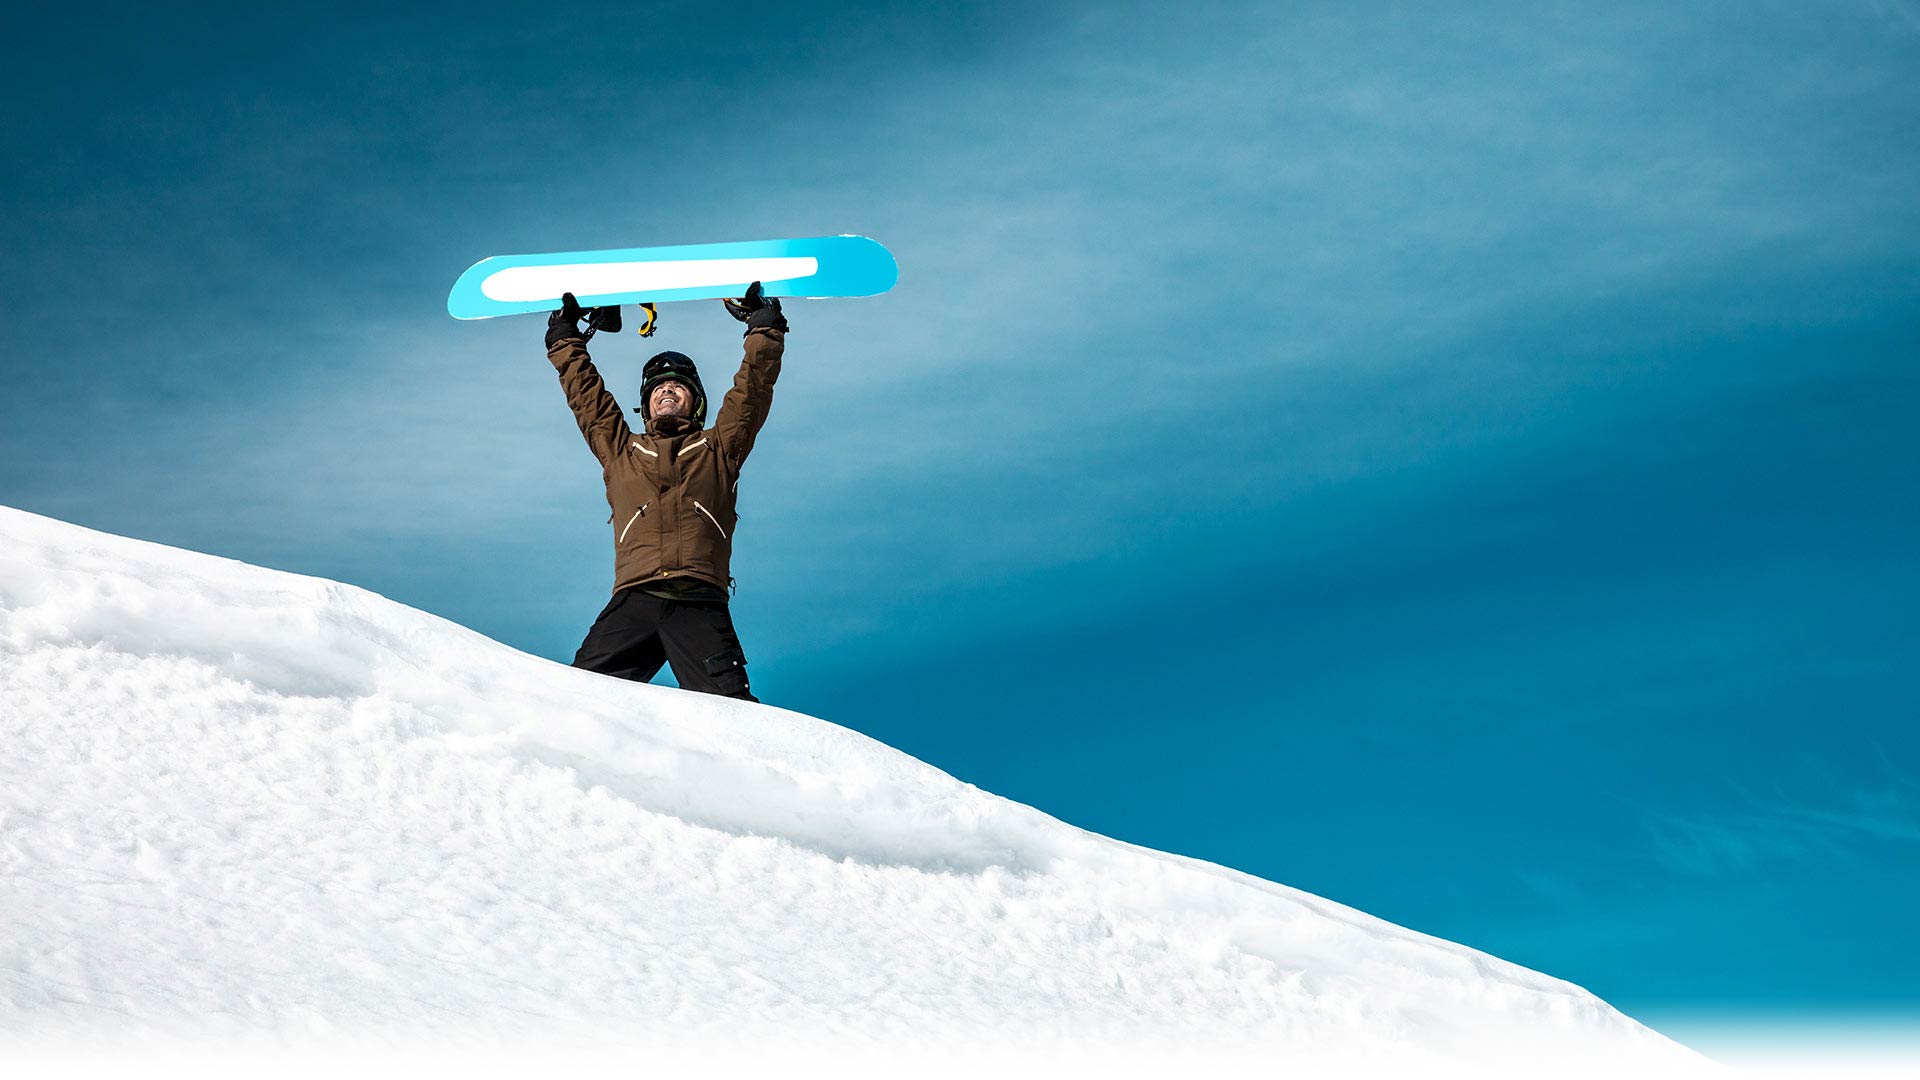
{"x":679,"y":367}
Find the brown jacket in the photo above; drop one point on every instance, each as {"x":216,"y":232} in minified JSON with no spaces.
{"x":672,"y":487}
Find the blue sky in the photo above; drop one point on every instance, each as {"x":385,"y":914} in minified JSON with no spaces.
{"x":1457,"y":464}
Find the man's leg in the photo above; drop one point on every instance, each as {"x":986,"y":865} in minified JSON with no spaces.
{"x":625,"y":640}
{"x":704,"y":650}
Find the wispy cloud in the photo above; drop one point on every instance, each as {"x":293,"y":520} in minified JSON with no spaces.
{"x":1757,"y":834}
{"x":1902,"y":14}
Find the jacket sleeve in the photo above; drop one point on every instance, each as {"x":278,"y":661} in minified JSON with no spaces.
{"x":598,"y":414}
{"x":744,"y":411}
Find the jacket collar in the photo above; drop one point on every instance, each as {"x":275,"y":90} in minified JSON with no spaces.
{"x":669,"y":427}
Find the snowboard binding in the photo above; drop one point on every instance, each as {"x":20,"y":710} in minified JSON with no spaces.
{"x":607,"y":319}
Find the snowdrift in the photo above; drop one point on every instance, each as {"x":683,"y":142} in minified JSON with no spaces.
{"x":237,"y":803}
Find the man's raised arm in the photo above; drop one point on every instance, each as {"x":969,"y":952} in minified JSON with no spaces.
{"x":744,"y":410}
{"x":595,"y":409}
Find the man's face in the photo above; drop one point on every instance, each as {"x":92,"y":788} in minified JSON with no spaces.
{"x":670,"y":398}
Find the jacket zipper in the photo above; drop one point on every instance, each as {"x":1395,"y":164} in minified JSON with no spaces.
{"x":629,"y":524}
{"x":710,"y":517}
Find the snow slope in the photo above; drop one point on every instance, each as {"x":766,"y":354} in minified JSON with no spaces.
{"x":238,"y":803}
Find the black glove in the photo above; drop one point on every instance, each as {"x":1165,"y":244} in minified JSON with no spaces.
{"x":757,"y":311}
{"x":565,"y":323}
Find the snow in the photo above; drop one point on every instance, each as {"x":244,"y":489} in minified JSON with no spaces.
{"x":243,"y":807}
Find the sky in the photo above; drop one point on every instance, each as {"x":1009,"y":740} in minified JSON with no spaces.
{"x":1456,"y":462}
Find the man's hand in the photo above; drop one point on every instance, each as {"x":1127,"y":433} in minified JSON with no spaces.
{"x":565,"y":322}
{"x":757,"y":311}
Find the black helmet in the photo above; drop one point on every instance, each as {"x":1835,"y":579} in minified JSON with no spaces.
{"x":676,"y":366}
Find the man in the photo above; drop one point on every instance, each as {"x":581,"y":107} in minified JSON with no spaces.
{"x":671,"y":487}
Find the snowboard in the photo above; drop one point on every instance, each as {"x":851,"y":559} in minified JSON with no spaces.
{"x":817,"y":266}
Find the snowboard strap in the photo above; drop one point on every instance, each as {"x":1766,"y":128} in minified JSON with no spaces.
{"x":645,"y":329}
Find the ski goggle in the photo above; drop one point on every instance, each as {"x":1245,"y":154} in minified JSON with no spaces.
{"x":669,"y":363}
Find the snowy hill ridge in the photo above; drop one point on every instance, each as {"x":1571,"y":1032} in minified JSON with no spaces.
{"x":237,"y":802}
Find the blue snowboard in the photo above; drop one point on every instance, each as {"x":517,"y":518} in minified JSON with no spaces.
{"x":813,"y":267}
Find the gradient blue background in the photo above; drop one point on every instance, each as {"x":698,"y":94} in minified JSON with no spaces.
{"x":1460,"y":463}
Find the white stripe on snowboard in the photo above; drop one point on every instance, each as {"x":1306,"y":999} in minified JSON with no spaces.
{"x":517,"y":284}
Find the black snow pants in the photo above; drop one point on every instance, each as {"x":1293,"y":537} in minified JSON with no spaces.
{"x":638,"y":632}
